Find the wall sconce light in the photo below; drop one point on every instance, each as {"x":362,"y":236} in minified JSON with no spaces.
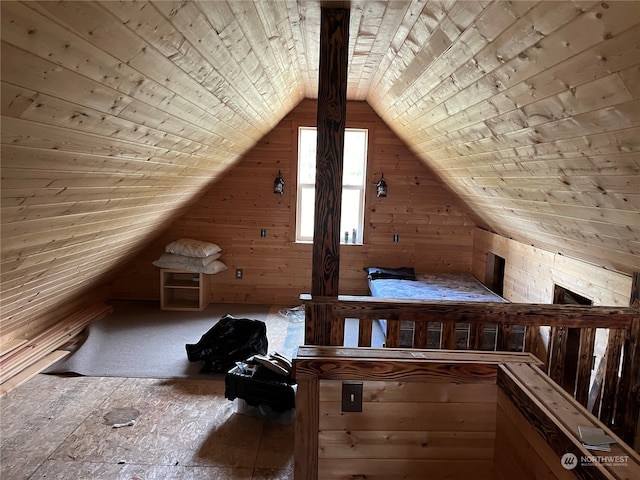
{"x":278,"y":184}
{"x":381,"y":187}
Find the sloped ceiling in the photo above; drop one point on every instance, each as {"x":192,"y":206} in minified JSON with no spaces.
{"x":116,"y":115}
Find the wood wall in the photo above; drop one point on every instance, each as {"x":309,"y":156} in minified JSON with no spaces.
{"x":435,"y":235}
{"x":531,"y":273}
{"x":530,"y":111}
{"x":114,"y":116}
{"x":408,"y":429}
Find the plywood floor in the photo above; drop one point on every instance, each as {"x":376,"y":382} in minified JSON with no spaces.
{"x":53,"y":427}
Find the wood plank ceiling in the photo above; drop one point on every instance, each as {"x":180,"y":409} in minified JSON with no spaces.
{"x":116,"y":115}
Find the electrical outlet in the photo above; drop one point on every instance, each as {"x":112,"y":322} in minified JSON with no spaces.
{"x":351,"y":396}
{"x":239,"y":273}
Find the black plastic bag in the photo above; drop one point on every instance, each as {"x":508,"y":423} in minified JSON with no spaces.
{"x":228,"y":341}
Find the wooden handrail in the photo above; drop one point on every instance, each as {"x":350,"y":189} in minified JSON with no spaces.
{"x":620,"y":392}
{"x":527,"y":314}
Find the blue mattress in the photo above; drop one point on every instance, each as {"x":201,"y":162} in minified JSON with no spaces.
{"x":445,"y":286}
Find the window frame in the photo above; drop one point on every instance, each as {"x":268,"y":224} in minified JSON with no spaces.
{"x":362,"y":188}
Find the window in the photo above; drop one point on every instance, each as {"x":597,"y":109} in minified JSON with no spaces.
{"x":353,"y":182}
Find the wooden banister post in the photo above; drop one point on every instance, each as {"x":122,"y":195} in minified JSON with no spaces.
{"x":332,"y":110}
{"x":628,"y":407}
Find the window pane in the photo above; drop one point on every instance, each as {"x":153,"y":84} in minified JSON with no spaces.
{"x":307,"y":210}
{"x":355,"y":159}
{"x":350,"y":218}
{"x":307,"y":154}
{"x":355,"y":153}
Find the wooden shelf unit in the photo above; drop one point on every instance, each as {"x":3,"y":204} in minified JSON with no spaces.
{"x":183,"y":290}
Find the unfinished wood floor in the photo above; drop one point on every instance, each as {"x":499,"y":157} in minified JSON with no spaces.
{"x":53,"y":427}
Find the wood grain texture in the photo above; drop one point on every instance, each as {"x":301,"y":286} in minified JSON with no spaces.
{"x":409,"y":425}
{"x":331,"y":121}
{"x":333,"y":363}
{"x":556,"y":417}
{"x":118,"y":117}
{"x":114,"y":117}
{"x":276,"y":268}
{"x":395,"y":309}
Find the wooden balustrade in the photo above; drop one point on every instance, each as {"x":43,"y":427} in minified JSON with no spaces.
{"x":614,"y":399}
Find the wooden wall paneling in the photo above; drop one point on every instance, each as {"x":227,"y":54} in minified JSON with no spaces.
{"x":276,"y":269}
{"x":520,"y":452}
{"x":420,"y":413}
{"x":531,"y":273}
{"x":556,"y":416}
{"x":513,"y":87}
{"x":441,"y":428}
{"x":93,"y":22}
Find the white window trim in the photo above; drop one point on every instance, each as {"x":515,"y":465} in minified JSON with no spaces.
{"x":361,"y":188}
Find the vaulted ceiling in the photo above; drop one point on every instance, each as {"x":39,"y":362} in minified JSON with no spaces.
{"x":116,"y":115}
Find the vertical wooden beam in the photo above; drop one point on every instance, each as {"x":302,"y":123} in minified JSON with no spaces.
{"x":610,"y":388}
{"x":393,"y":334}
{"x":628,"y":408}
{"x":503,"y":342}
{"x":585,"y":364}
{"x":365,"y":332}
{"x":332,"y":110}
{"x":557,"y":350}
{"x":448,"y":339}
{"x":306,"y":429}
{"x":421,"y":334}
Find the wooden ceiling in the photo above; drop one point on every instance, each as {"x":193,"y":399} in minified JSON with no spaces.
{"x":115,"y":116}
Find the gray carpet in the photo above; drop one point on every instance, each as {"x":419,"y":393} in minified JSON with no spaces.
{"x":141,"y":341}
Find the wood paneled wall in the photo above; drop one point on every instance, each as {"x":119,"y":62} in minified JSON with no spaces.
{"x":531,"y":273}
{"x":408,"y":429}
{"x":114,"y":116}
{"x":435,"y":234}
{"x":530,"y":111}
{"x":520,"y":452}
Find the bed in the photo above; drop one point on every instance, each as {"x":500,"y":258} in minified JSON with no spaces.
{"x":404,"y":283}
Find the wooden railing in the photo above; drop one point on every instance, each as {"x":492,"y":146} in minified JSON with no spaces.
{"x":616,"y":404}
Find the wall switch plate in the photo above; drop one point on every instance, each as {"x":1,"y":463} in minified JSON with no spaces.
{"x":239,"y":273}
{"x":396,"y":237}
{"x":351,"y":396}
{"x":263,"y":233}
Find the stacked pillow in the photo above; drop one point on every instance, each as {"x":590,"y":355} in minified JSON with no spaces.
{"x":192,"y":255}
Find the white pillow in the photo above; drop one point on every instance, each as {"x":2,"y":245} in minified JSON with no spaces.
{"x":180,"y":262}
{"x":214,"y":267}
{"x":192,"y":248}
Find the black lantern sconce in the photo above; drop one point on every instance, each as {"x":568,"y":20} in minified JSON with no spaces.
{"x":381,"y":187}
{"x":278,"y":184}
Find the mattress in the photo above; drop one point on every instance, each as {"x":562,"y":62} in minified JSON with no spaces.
{"x":446,"y":286}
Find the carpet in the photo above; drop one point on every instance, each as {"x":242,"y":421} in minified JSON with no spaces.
{"x":141,"y":341}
